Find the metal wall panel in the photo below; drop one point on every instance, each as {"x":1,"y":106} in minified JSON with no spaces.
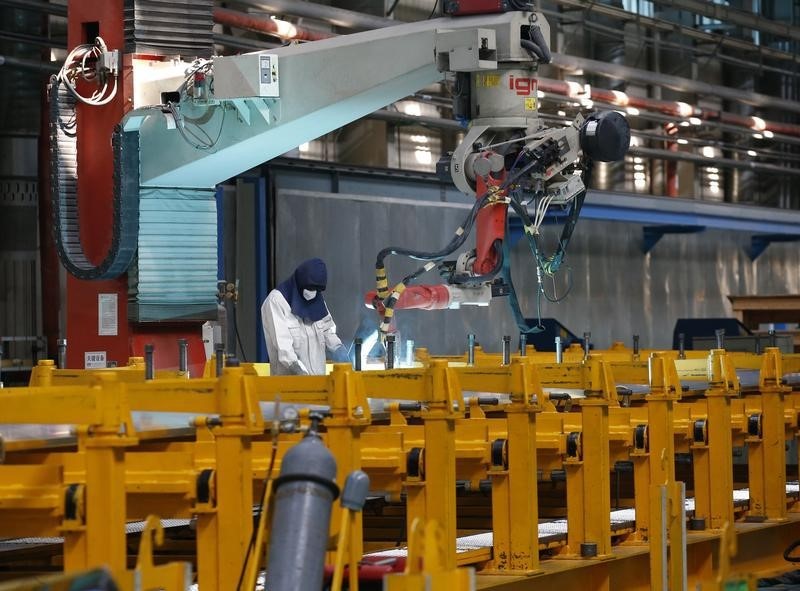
{"x":617,"y":290}
{"x":19,"y":259}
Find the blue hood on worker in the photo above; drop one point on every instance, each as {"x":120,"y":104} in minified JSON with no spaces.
{"x":312,"y":275}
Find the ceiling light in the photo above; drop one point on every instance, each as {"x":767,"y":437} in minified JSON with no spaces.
{"x":682,"y":141}
{"x":713,"y":177}
{"x":685,"y":124}
{"x":412,"y":108}
{"x":684,"y":109}
{"x":304,"y":147}
{"x":587,"y":103}
{"x":639,"y":176}
{"x":637,"y":160}
{"x":285,"y":29}
{"x":620,"y":98}
{"x":539,"y":94}
{"x":574,"y":89}
{"x":758,"y":123}
{"x":708,"y":151}
{"x":758,"y":136}
{"x":638,"y":167}
{"x":712,"y":169}
{"x":751,"y":152}
{"x":561,"y":113}
{"x":632,"y":111}
{"x":423,"y":155}
{"x":768,"y":134}
{"x":419,"y":139}
{"x":640,"y":183}
{"x":695,"y":120}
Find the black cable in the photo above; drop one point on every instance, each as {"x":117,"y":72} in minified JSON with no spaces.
{"x":536,"y":37}
{"x":254,"y":533}
{"x":533,"y":50}
{"x":537,"y":164}
{"x":457,"y":240}
{"x":435,"y":5}
{"x":238,"y":336}
{"x":791,"y":548}
{"x":522,"y":5}
{"x":391,"y":10}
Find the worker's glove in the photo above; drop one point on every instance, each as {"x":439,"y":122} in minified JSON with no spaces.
{"x":340,"y":355}
{"x":298,"y":369}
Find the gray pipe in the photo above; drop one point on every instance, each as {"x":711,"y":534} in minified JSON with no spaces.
{"x":470,"y":349}
{"x":25,"y":64}
{"x":748,"y":20}
{"x":720,"y":334}
{"x":506,"y":350}
{"x":340,"y":17}
{"x":62,"y":353}
{"x":665,"y":26}
{"x":389,"y":351}
{"x":559,"y":351}
{"x":523,"y":344}
{"x":571,"y":62}
{"x":219,"y":357}
{"x":357,"y":344}
{"x":149,"y":367}
{"x":681,"y":346}
{"x":636,"y":344}
{"x":703,"y":161}
{"x":587,"y":337}
{"x":183,"y":355}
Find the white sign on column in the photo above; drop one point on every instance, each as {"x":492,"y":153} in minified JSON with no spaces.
{"x":107,"y":312}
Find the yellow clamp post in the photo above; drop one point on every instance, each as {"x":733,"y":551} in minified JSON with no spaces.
{"x":172,"y":576}
{"x":426,"y":565}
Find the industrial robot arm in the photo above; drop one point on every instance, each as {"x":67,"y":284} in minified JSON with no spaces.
{"x":507,"y":159}
{"x":193,"y":126}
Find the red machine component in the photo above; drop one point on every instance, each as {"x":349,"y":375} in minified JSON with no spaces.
{"x":465,"y":7}
{"x":490,"y":225}
{"x":416,"y":297}
{"x":79,"y":300}
{"x":373,"y":568}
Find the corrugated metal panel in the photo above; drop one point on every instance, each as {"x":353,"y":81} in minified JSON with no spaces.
{"x":20,"y":90}
{"x":19,"y":285}
{"x":19,"y":268}
{"x":175,"y":272}
{"x":169,"y":27}
{"x":617,"y":290}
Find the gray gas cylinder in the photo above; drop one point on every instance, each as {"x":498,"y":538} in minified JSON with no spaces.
{"x":304,"y":494}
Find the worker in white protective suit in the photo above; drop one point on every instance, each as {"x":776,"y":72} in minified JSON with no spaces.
{"x":298,"y":327}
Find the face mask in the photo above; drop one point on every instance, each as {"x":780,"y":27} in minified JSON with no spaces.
{"x":309,"y":294}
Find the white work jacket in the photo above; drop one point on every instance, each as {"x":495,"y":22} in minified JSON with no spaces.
{"x":295,"y":346}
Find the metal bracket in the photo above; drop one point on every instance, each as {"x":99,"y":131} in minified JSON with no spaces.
{"x":652,"y":234}
{"x":467,"y":50}
{"x":760,"y":242}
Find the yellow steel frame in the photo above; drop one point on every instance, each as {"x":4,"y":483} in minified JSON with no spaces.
{"x":116,"y":474}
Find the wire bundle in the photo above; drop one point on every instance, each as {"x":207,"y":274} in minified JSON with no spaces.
{"x":81,"y":64}
{"x":196,"y":135}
